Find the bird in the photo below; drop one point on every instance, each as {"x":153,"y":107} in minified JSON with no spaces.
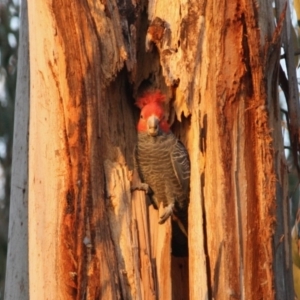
{"x":163,"y":165}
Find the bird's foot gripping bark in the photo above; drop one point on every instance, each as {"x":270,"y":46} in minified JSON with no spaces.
{"x":168,"y":211}
{"x":142,"y":187}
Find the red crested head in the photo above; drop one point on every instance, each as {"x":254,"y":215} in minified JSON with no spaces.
{"x":150,"y":97}
{"x":152,"y":116}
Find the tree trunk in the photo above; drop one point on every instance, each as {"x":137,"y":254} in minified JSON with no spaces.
{"x":217,"y":62}
{"x":238,"y":109}
{"x":16,"y":279}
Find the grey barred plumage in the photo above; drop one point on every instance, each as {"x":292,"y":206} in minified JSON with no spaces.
{"x":163,"y":163}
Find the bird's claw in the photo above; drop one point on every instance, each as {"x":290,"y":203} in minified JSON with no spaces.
{"x":142,"y":187}
{"x":168,"y":211}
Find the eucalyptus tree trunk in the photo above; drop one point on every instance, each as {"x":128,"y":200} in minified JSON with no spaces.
{"x":217,"y":62}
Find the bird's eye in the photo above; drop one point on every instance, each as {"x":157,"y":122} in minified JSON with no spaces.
{"x":142,"y":117}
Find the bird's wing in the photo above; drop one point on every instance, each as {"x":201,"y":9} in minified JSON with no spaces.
{"x":181,"y":165}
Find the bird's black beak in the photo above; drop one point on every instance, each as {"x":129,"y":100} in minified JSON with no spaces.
{"x":153,"y":126}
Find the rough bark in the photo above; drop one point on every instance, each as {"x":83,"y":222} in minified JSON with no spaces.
{"x":70,"y":245}
{"x":223,"y":60}
{"x":217,"y":62}
{"x":16,"y":281}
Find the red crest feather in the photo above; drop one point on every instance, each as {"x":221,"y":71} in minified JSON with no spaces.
{"x":150,"y":97}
